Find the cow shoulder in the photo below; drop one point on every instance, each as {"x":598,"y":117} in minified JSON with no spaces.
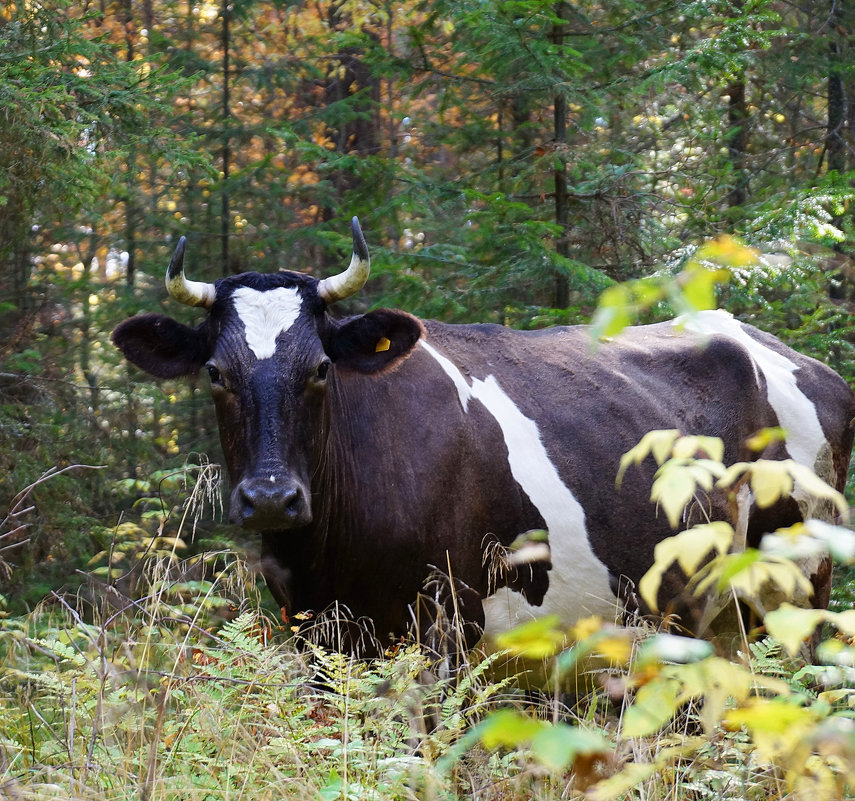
{"x":162,"y":346}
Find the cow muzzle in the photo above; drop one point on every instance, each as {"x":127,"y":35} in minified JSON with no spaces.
{"x":270,"y":503}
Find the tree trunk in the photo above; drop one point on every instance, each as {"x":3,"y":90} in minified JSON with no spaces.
{"x":835,"y":144}
{"x":225,"y":152}
{"x":562,"y":205}
{"x":361,"y":132}
{"x":737,"y":141}
{"x":131,"y":211}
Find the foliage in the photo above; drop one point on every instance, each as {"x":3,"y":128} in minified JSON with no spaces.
{"x":165,"y":697}
{"x":688,"y":137}
{"x":189,"y":688}
{"x":255,"y":132}
{"x":762,"y":711}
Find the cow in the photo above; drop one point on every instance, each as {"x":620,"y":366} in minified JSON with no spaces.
{"x":377,"y":452}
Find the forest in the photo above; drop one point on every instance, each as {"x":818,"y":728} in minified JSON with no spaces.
{"x":521,"y":162}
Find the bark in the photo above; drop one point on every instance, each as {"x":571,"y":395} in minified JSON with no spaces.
{"x":562,"y":201}
{"x":737,"y":142}
{"x":225,"y":151}
{"x":131,"y":211}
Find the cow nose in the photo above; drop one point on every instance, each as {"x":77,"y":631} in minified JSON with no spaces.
{"x":270,"y":502}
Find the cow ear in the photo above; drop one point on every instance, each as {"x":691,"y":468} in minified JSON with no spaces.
{"x":374,"y":341}
{"x":161,"y":346}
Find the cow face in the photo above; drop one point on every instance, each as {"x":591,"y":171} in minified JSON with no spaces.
{"x":272,"y":354}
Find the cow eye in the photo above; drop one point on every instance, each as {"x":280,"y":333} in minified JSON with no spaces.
{"x":323,"y":370}
{"x":214,"y":374}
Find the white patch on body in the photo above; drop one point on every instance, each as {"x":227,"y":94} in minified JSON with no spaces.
{"x":795,"y":411}
{"x":463,"y":391}
{"x":578,"y":581}
{"x":265,"y":315}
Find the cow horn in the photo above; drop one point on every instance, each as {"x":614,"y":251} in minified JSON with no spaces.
{"x":192,"y":293}
{"x":348,"y":283}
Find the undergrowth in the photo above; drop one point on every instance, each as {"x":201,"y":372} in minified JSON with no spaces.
{"x":193,"y":692}
{"x":154,"y":701}
{"x":178,"y":685}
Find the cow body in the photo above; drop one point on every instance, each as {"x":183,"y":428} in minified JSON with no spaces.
{"x":373,"y":452}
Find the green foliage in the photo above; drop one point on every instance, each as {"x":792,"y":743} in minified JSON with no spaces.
{"x":690,"y":291}
{"x":435,"y":122}
{"x":189,"y":689}
{"x":164,"y":701}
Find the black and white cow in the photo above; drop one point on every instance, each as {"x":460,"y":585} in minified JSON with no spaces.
{"x":371,"y":451}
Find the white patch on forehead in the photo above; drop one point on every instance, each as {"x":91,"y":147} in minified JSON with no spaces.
{"x":265,"y":315}
{"x":796,"y":413}
{"x":578,"y":581}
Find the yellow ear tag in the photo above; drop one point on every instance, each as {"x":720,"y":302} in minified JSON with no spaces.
{"x":383,"y":344}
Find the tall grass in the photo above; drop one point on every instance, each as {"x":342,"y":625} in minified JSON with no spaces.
{"x":193,"y":692}
{"x":181,"y":686}
{"x":149,"y":700}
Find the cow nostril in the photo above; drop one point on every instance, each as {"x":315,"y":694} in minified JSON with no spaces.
{"x":292,"y":501}
{"x":262,"y":503}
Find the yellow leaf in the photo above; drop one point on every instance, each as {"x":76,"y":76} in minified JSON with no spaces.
{"x":728,"y":251}
{"x":765,"y":437}
{"x":845,"y":621}
{"x":770,"y":480}
{"x":812,"y":484}
{"x":654,"y":705}
{"x":771,"y":716}
{"x":659,"y":443}
{"x":688,"y":548}
{"x":616,"y":647}
{"x":704,"y":471}
{"x":587,"y":627}
{"x":536,"y":639}
{"x":673,"y":488}
{"x":631,"y":775}
{"x":732,"y":474}
{"x":698,"y":541}
{"x":648,"y":586}
{"x":791,"y":625}
{"x":689,"y":445}
{"x":784,"y":573}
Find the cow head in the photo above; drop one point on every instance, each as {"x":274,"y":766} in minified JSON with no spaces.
{"x":273,"y":355}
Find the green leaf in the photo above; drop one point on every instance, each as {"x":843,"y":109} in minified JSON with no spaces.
{"x":614,"y":313}
{"x":508,"y":728}
{"x":558,"y":746}
{"x":653,"y":707}
{"x":697,"y":285}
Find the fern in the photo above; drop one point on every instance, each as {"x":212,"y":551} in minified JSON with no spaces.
{"x":238,"y":633}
